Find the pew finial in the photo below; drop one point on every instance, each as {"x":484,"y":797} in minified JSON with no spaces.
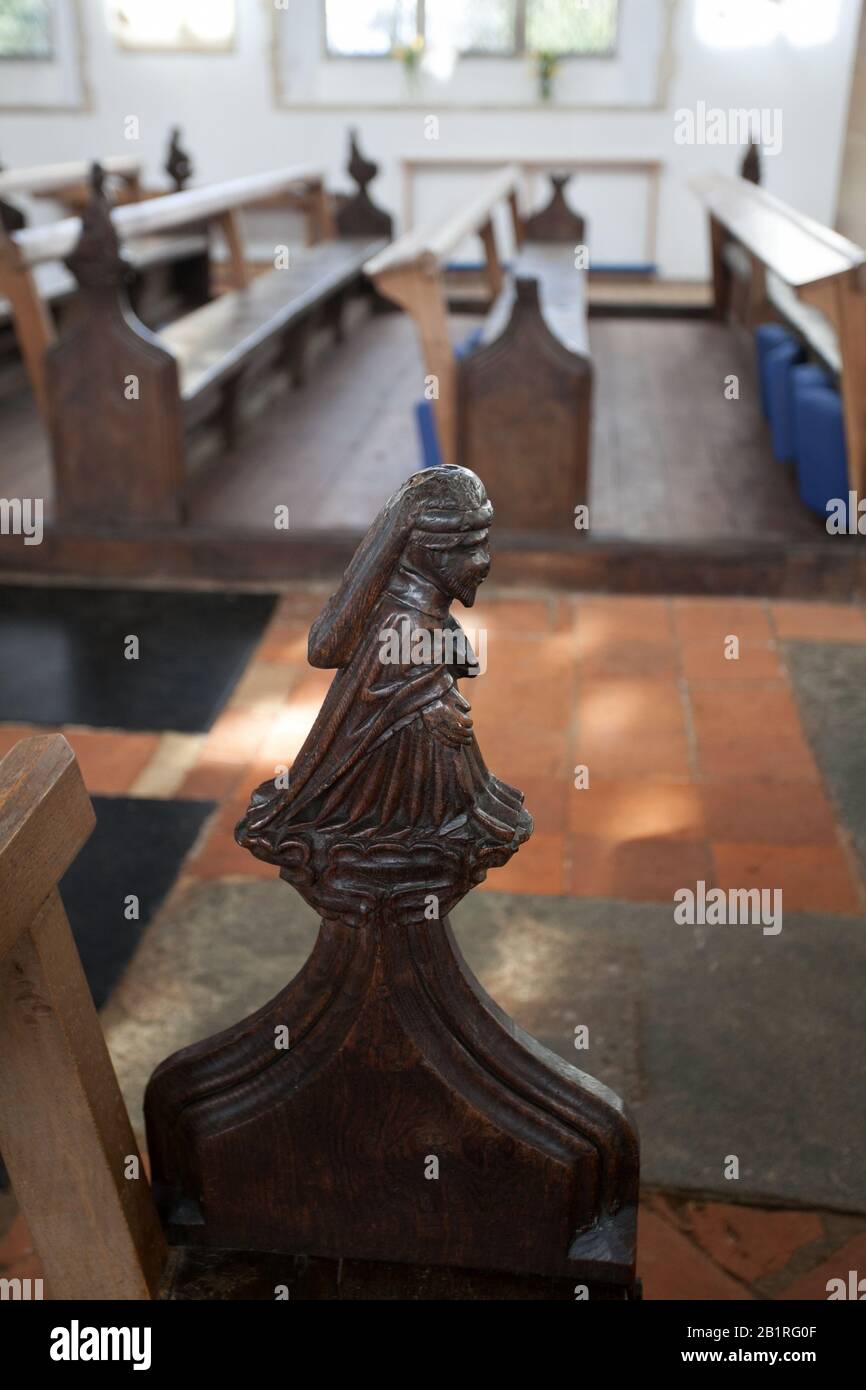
{"x":751,"y":167}
{"x":357,"y":214}
{"x":97,"y":260}
{"x":360,"y":169}
{"x":398,"y":1064}
{"x":178,"y":164}
{"x":12,"y":219}
{"x":556,"y":222}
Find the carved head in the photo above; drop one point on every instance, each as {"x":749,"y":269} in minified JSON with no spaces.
{"x":437,"y":524}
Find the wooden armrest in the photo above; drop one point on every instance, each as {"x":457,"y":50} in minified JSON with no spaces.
{"x":45,"y":818}
{"x":798,"y":249}
{"x":193,"y":205}
{"x":46,"y":179}
{"x":429,"y":246}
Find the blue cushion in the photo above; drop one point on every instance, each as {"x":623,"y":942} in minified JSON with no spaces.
{"x":469,"y":344}
{"x":428,"y":437}
{"x":767,"y":337}
{"x":780,"y":363}
{"x":819,"y":429}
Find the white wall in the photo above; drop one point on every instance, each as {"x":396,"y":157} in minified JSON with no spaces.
{"x":225,"y":104}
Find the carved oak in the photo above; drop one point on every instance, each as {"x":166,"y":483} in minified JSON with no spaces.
{"x":357,"y":215}
{"x":557,"y":221}
{"x":396,"y":1059}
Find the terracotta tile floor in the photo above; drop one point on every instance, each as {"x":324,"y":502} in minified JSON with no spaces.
{"x":697,"y":766}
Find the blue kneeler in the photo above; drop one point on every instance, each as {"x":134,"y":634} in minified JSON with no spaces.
{"x":767,"y":337}
{"x":821,"y":455}
{"x":428,"y":435}
{"x":781,"y":361}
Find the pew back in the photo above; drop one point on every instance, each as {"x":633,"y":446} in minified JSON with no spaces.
{"x":137,"y":226}
{"x":410,"y":271}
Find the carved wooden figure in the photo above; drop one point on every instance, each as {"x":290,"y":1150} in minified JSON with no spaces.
{"x":409,"y":1120}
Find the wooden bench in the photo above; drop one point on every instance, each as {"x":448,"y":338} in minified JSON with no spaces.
{"x":64,"y":1132}
{"x":170,"y":273}
{"x":121,"y":399}
{"x":517,"y":409}
{"x":771,"y":262}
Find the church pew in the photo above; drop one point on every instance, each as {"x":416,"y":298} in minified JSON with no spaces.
{"x":123,"y":401}
{"x":170,"y":272}
{"x":64,"y":1131}
{"x":516,"y":409}
{"x":771,"y":262}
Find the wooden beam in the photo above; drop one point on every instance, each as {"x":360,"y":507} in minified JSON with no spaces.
{"x":418,"y":289}
{"x":34,"y":327}
{"x":230,"y":226}
{"x":45,"y":818}
{"x":493,"y":265}
{"x":64,"y":1132}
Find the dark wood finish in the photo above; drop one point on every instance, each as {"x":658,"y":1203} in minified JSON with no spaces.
{"x":556,"y":221}
{"x":233,"y":1275}
{"x":121,"y":461}
{"x":178,"y":164}
{"x":357,"y":215}
{"x":12,"y":219}
{"x":525,"y":407}
{"x":114,"y":457}
{"x":64,"y":1133}
{"x":396,"y":1057}
{"x":750,"y":168}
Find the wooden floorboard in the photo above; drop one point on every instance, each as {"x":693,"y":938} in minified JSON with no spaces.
{"x":675,"y":465}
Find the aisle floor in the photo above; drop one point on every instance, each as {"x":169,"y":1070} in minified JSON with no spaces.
{"x":700,"y":768}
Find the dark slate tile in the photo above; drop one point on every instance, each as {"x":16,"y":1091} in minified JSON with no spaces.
{"x":721,"y":1040}
{"x":136,"y":849}
{"x":63,"y":655}
{"x":830,"y":684}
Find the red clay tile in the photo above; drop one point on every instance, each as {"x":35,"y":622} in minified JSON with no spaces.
{"x":819,"y":622}
{"x":537,"y":867}
{"x":637,"y":808}
{"x":750,"y":733}
{"x":811,"y":878}
{"x":16,"y":1243}
{"x":210,"y":781}
{"x":631,"y":728}
{"x":672,"y":1267}
{"x":546,"y":799}
{"x":711,"y":621}
{"x":646,"y":870}
{"x":753,"y":811}
{"x":602,"y":621}
{"x":707,"y":662}
{"x":110,"y":762}
{"x":748,"y":1242}
{"x":508,"y":619}
{"x":851,"y":1257}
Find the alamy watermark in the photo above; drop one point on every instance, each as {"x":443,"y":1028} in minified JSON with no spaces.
{"x":405,"y":645}
{"x":716,"y":907}
{"x":713,"y":125}
{"x":22,"y":516}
